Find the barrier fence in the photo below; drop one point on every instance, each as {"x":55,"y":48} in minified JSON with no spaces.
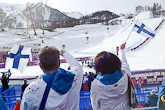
{"x":85,"y":102}
{"x":14,"y":93}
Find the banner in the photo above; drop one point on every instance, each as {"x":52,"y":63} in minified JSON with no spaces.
{"x":147,"y":81}
{"x":34,"y":56}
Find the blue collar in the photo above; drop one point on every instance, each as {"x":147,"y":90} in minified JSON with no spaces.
{"x":109,"y":79}
{"x":62,"y":81}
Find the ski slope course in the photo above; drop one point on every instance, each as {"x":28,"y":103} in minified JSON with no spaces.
{"x":110,"y":44}
{"x":148,"y":56}
{"x":73,"y":38}
{"x":151,"y":55}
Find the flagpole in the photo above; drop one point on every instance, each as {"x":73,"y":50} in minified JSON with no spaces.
{"x":130,"y":32}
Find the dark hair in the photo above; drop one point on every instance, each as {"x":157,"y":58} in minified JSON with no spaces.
{"x":107,"y":63}
{"x":49,"y":58}
{"x":25,"y":80}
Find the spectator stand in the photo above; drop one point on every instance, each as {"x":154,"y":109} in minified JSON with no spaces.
{"x":11,"y":95}
{"x":14,"y":93}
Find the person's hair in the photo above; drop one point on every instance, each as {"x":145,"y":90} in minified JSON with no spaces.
{"x":18,"y":101}
{"x":107,"y":63}
{"x":25,"y":80}
{"x":49,"y":58}
{"x":153,"y":92}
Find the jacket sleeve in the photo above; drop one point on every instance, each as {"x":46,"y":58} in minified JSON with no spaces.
{"x":124,"y":65}
{"x":94,"y":98}
{"x":161,"y":91}
{"x":76,"y":68}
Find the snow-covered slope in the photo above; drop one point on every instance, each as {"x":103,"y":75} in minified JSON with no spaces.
{"x":148,"y":56}
{"x":151,"y":55}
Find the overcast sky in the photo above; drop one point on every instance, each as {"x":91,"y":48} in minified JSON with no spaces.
{"x":90,"y":6}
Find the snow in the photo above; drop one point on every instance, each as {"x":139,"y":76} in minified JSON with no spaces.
{"x":150,"y":55}
{"x":144,"y":15}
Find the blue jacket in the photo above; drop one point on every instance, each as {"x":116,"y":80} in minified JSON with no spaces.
{"x":152,"y":100}
{"x":161,"y":91}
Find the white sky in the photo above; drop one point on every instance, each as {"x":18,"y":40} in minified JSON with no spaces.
{"x":90,"y":6}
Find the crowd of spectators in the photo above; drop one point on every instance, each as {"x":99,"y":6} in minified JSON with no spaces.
{"x":88,"y":77}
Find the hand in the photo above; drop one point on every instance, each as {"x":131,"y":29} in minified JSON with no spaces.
{"x":62,"y":52}
{"x":122,"y":46}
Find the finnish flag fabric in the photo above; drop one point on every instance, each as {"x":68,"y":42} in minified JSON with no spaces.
{"x":140,"y":28}
{"x":18,"y":57}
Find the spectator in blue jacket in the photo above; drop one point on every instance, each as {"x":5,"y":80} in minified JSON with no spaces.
{"x":152,"y":99}
{"x":161,"y":96}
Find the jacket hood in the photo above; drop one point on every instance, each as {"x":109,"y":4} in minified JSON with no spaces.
{"x":114,"y":89}
{"x":62,"y":81}
{"x":109,"y":79}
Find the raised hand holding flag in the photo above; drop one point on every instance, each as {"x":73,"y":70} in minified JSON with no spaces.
{"x":18,"y":57}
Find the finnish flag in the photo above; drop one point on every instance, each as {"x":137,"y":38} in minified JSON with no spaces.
{"x":18,"y":57}
{"x":140,"y":28}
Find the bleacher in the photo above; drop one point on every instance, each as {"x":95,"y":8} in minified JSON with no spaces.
{"x":11,"y":95}
{"x":14,"y":93}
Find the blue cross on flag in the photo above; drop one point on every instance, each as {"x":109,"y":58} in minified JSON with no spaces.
{"x":18,"y":57}
{"x":140,"y":28}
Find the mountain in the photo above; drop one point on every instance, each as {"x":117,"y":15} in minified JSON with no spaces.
{"x":17,"y":15}
{"x":98,"y":17}
{"x":75,"y":14}
{"x":43,"y":16}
